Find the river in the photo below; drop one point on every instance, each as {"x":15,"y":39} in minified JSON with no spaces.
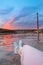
{"x":7,"y":42}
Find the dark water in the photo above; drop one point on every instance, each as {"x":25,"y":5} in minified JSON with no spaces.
{"x":7,"y":43}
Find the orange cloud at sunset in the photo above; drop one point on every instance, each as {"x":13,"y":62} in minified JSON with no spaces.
{"x":9,"y":25}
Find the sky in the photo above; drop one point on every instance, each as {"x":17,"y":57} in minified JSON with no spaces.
{"x":20,"y":14}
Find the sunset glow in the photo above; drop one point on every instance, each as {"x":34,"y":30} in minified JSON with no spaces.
{"x":17,"y":14}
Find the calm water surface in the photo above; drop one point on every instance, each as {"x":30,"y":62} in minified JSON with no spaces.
{"x":7,"y":43}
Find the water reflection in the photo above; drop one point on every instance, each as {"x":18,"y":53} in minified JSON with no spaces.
{"x":7,"y":46}
{"x":8,"y":40}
